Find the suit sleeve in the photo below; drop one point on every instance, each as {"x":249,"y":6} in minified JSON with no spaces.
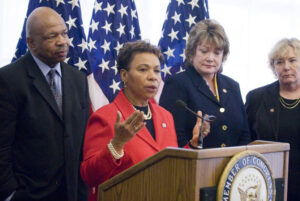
{"x":251,"y":112}
{"x":174,"y":90}
{"x":245,"y":135}
{"x":98,"y":164}
{"x":82,"y":187}
{"x":8,"y":118}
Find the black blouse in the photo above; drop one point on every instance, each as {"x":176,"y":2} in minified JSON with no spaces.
{"x":149,"y":123}
{"x":289,"y":131}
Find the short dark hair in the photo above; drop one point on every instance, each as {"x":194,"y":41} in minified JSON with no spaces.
{"x":130,"y":49}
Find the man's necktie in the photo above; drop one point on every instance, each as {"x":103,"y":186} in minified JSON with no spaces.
{"x":54,"y":89}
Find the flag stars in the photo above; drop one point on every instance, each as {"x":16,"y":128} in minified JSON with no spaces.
{"x":115,"y":86}
{"x":71,"y":22}
{"x":205,"y":7}
{"x":132,"y":32}
{"x":176,"y":18}
{"x":181,"y":70}
{"x":133,"y":14}
{"x":58,"y":2}
{"x":194,"y":3}
{"x":67,"y":60}
{"x":68,"y":10}
{"x":166,"y":70}
{"x":121,"y":30}
{"x":162,"y":33}
{"x":109,"y":9}
{"x":191,"y":20}
{"x":15,"y":56}
{"x":81,"y":64}
{"x":173,"y":35}
{"x":107,"y":27}
{"x":180,"y":2}
{"x":118,"y":47}
{"x":94,"y":26}
{"x":183,"y":55}
{"x":74,"y":3}
{"x":169,"y":53}
{"x":105,"y":46}
{"x":97,"y":6}
{"x":91,"y":44}
{"x":83,"y":45}
{"x":186,"y":37}
{"x":104,"y":65}
{"x":115,"y":68}
{"x":71,"y":42}
{"x":122,"y":10}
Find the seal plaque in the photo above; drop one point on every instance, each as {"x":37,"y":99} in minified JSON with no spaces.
{"x":246,"y":177}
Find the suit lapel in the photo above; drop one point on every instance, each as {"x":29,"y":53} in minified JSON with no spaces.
{"x":160,"y":126}
{"x":270,"y":99}
{"x":200,"y":84}
{"x":224,"y":90}
{"x":66,"y":97}
{"x":40,"y":83}
{"x":126,"y":109}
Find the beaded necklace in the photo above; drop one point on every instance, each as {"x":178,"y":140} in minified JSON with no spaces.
{"x":149,"y":113}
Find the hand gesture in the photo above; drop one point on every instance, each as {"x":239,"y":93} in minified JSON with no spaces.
{"x":126,"y":130}
{"x":196,"y":129}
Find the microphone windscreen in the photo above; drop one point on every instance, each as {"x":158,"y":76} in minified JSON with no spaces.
{"x":180,"y":103}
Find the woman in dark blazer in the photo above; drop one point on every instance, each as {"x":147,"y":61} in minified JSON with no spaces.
{"x":274,"y":110}
{"x":203,"y":87}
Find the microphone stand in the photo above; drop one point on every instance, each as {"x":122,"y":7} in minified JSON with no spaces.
{"x":209,"y":118}
{"x":200,"y":139}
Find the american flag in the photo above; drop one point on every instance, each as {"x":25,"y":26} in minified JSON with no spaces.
{"x":71,"y":13}
{"x":113,"y":23}
{"x":181,"y":16}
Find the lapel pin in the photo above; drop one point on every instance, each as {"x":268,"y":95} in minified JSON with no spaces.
{"x":272,"y":110}
{"x":164,"y":125}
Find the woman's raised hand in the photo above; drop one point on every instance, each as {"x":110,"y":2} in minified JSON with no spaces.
{"x":196,"y":129}
{"x":126,"y":130}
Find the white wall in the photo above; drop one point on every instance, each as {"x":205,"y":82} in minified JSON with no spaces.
{"x":253,"y":27}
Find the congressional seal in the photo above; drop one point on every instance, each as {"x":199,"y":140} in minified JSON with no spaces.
{"x":247,"y":177}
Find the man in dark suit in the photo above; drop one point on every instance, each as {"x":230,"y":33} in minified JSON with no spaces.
{"x":42,"y":118}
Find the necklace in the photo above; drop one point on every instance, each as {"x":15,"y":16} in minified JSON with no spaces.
{"x":216,"y":88}
{"x":149,"y":113}
{"x":289,"y":106}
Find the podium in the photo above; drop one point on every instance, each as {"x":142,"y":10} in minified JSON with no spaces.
{"x":179,"y":174}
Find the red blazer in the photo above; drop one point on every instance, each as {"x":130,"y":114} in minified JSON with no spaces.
{"x":98,"y":164}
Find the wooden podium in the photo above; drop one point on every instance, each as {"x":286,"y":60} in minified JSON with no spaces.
{"x":178,"y":174}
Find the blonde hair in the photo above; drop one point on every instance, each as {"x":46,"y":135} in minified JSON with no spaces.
{"x":280,"y":50}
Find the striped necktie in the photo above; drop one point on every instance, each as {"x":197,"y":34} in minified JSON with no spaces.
{"x":54,"y":89}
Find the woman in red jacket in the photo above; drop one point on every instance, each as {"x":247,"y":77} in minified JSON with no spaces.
{"x":131,"y":128}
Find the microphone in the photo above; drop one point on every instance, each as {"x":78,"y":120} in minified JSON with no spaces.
{"x":208,"y":118}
